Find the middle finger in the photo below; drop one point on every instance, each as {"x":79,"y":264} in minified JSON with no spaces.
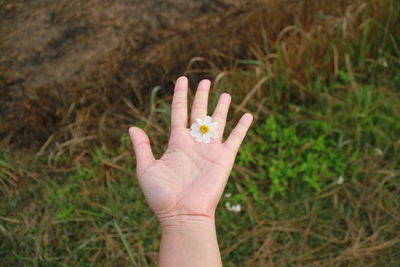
{"x":200,"y":102}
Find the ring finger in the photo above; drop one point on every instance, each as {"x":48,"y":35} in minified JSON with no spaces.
{"x":220,"y":113}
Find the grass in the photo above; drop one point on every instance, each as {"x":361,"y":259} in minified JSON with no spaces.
{"x":317,"y":178}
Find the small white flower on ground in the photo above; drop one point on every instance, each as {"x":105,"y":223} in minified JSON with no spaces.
{"x":383,"y":62}
{"x":378,"y":152}
{"x":234,"y":208}
{"x":340,"y":180}
{"x":204,"y":130}
{"x":237,"y":208}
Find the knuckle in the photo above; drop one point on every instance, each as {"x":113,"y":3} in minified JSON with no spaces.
{"x":178,"y":104}
{"x":199,"y":103}
{"x":180,"y":90}
{"x":230,"y":148}
{"x":142,"y":143}
{"x":176,"y":126}
{"x":198,"y":106}
{"x":219,"y":115}
{"x":236,"y":133}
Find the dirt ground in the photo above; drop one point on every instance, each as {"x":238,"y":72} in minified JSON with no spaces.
{"x":55,"y":41}
{"x":52,"y":52}
{"x":59,"y":57}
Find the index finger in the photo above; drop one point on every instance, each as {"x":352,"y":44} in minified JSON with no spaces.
{"x":237,"y":135}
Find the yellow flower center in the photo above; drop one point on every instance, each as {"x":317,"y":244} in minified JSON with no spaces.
{"x":204,"y":129}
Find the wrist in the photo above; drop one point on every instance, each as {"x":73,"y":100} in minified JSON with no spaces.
{"x":188,"y":240}
{"x":190,"y":222}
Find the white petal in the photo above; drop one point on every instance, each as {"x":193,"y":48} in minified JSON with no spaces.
{"x":199,"y":121}
{"x":214,"y":125}
{"x":195,"y":132}
{"x":236,"y":208}
{"x":206,"y":138}
{"x":199,"y":138}
{"x":214,"y":129}
{"x":214,"y":134}
{"x":207,"y":120}
{"x":195,"y":126}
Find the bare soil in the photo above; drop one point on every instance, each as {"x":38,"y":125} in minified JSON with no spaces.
{"x":62,"y":58}
{"x":54,"y":42}
{"x":55,"y":53}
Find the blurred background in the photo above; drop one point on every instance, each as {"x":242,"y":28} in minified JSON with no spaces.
{"x":316,"y":182}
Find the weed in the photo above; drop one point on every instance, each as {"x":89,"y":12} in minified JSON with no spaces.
{"x":291,"y":154}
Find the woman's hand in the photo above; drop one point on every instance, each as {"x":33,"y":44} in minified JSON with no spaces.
{"x":184,"y":186}
{"x":189,"y":179}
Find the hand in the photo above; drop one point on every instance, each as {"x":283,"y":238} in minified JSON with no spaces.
{"x":189,"y":179}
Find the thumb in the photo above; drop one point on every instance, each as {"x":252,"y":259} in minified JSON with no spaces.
{"x":141,"y":145}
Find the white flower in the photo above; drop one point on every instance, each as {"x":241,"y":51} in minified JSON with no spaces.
{"x":340,"y":180}
{"x":378,"y":152}
{"x":383,"y":62}
{"x":204,"y":130}
{"x":234,"y":208}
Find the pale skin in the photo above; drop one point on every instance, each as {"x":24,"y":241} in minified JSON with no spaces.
{"x":184,"y":186}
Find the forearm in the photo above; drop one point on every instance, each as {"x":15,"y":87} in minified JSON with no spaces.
{"x":189,"y":241}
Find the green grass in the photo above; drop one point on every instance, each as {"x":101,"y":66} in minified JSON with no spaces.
{"x":327,"y":106}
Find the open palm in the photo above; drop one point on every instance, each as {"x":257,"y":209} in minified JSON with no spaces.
{"x":190,"y":177}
